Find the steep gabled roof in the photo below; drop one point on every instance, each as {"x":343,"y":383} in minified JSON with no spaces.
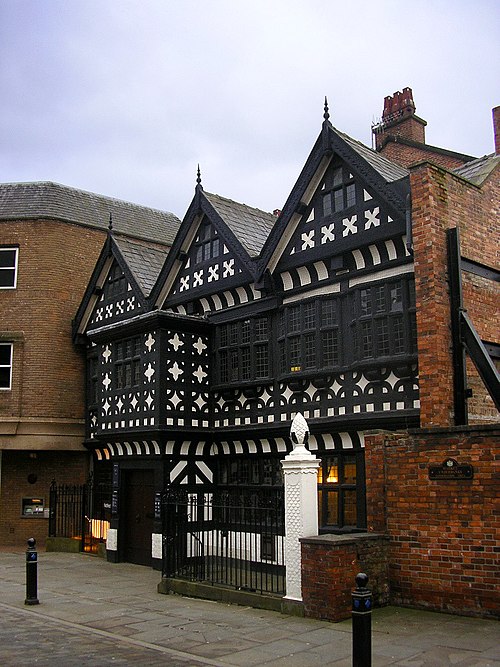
{"x":144,"y":259}
{"x":478,"y":170}
{"x":47,"y":200}
{"x":389,"y":170}
{"x":251,"y":226}
{"x":389,"y":180}
{"x":140,"y":262}
{"x":242,"y":228}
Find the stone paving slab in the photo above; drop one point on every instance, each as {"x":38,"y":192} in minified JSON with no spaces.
{"x":96,"y":613}
{"x":28,"y":639}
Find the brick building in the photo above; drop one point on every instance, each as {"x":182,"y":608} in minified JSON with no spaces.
{"x":50,"y":239}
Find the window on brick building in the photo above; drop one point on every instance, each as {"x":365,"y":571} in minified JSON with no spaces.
{"x":6,"y":366}
{"x":341,"y":493}
{"x":8,"y":267}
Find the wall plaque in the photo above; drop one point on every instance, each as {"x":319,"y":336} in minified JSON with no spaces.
{"x":451,"y":469}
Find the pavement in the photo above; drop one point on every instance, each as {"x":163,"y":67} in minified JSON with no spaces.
{"x":96,"y":613}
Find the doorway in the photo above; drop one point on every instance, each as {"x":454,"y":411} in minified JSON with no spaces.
{"x":139,"y":516}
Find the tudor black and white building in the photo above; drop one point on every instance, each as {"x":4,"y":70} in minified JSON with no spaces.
{"x":199,"y":359}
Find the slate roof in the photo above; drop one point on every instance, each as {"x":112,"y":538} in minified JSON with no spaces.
{"x":477,"y":170}
{"x":251,"y":226}
{"x":144,"y":259}
{"x":389,"y":170}
{"x":47,"y":200}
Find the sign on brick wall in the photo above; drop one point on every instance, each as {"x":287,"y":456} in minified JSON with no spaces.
{"x":451,"y":469}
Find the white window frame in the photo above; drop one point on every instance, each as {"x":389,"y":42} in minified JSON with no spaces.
{"x":10,"y":268}
{"x":9,"y":366}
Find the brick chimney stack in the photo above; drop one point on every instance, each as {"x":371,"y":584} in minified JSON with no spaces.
{"x":496,"y":129}
{"x":399,"y":120}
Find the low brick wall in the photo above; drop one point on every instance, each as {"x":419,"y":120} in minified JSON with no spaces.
{"x":444,"y":533}
{"x":330,"y":564}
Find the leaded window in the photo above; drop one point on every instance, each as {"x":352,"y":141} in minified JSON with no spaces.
{"x":243,"y":350}
{"x":207,"y":244}
{"x":8,"y":267}
{"x":93,"y":379}
{"x":341,"y":498}
{"x":383,"y":320}
{"x":339,"y":192}
{"x":117,"y":282}
{"x":127,"y":363}
{"x":6,"y":365}
{"x":308,"y":336}
{"x":250,"y":472}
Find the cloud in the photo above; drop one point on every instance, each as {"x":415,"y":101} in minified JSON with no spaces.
{"x":126,"y":97}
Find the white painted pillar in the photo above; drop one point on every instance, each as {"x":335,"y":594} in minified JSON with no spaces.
{"x":300,"y":469}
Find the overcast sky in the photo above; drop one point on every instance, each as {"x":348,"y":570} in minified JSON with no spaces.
{"x":126,"y":97}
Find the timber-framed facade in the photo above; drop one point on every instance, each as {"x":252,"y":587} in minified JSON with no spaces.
{"x":253,"y":318}
{"x":199,"y":357}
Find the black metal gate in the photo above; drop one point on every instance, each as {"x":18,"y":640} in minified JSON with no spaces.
{"x":229,"y":538}
{"x":80,"y":512}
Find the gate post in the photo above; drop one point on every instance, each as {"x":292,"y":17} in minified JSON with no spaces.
{"x":300,"y":469}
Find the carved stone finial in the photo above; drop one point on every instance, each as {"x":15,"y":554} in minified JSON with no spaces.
{"x":299,"y":431}
{"x":110,"y":224}
{"x":326,"y":115}
{"x":198,"y":177}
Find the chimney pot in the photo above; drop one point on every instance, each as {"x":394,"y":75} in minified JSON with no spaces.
{"x":399,"y":119}
{"x":496,"y":129}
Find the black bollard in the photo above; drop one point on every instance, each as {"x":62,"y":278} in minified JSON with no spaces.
{"x":31,"y":573}
{"x":361,"y":623}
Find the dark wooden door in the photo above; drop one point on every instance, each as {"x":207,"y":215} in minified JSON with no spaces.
{"x":139,"y":515}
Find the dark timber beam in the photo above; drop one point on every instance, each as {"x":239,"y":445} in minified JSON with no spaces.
{"x":482,"y":360}
{"x":458,"y":349}
{"x":465,"y":338}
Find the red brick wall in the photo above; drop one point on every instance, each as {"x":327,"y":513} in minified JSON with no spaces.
{"x":407,"y":155}
{"x":64,"y":467}
{"x":330,"y":564}
{"x":56,"y":261}
{"x":444,"y":534}
{"x":441,"y":201}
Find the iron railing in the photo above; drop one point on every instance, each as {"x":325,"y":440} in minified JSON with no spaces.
{"x":80,"y":512}
{"x":230,"y":538}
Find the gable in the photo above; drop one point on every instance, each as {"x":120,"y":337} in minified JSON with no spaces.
{"x":343,"y":214}
{"x":209,"y":265}
{"x":209,"y":260}
{"x":117,"y":301}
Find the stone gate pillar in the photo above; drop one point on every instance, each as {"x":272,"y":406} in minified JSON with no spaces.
{"x":300,"y":469}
